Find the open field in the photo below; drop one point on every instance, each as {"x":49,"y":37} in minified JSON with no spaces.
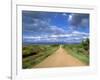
{"x":78,"y":51}
{"x":55,"y":55}
{"x":34,"y":54}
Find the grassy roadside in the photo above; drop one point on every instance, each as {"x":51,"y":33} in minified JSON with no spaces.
{"x":77,"y":51}
{"x":34,"y":54}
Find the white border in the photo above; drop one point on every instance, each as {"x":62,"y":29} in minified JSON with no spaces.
{"x":19,"y":74}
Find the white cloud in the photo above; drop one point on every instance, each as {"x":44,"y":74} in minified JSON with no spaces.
{"x":75,"y":36}
{"x":79,"y":33}
{"x":32,"y":37}
{"x":56,"y":29}
{"x":64,"y":14}
{"x":70,"y":17}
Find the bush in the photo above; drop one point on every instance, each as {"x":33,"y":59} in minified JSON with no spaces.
{"x":85,"y":44}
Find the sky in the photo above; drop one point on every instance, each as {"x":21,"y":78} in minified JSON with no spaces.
{"x":53,"y":27}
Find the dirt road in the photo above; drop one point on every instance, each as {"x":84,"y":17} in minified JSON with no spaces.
{"x":60,"y":58}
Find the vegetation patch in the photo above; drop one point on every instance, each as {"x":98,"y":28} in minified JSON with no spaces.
{"x":34,"y":54}
{"x":80,"y":51}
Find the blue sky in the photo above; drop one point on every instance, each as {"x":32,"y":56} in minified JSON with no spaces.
{"x":41,"y":26}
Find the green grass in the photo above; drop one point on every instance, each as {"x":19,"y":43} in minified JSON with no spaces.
{"x":77,"y":51}
{"x":34,"y":54}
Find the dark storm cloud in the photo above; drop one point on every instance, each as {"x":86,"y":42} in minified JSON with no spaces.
{"x":79,"y":20}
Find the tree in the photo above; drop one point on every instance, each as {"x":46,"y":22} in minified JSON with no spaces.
{"x":85,"y":45}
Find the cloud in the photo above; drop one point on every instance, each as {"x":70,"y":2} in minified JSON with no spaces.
{"x":73,"y":37}
{"x":42,"y":27}
{"x":64,"y":14}
{"x":85,"y":22}
{"x":78,"y":20}
{"x":80,"y":33}
{"x":38,"y":23}
{"x":38,"y":27}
